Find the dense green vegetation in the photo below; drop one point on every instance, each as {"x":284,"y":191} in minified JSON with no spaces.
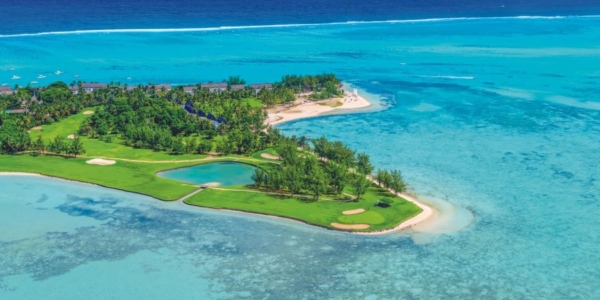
{"x":150,"y":130}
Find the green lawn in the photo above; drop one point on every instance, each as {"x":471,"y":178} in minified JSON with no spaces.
{"x":321,"y":213}
{"x":134,"y":177}
{"x":254,"y":103}
{"x":96,"y":148}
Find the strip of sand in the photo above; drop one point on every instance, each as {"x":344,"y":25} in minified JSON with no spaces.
{"x":19,"y":174}
{"x":101,"y":162}
{"x":354,"y":211}
{"x":350,"y":226}
{"x":88,"y":112}
{"x":269,"y":156}
{"x":304,"y":108}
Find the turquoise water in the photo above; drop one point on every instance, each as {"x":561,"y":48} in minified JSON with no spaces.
{"x":498,"y":116}
{"x":225,"y":173}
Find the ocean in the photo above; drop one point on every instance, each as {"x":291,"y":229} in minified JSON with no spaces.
{"x":495,"y":112}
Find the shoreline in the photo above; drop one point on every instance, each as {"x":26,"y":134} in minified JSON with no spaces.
{"x":425,"y":214}
{"x":302,"y":108}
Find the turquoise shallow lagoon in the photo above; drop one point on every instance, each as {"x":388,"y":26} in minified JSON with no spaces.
{"x":225,"y":173}
{"x":498,"y":116}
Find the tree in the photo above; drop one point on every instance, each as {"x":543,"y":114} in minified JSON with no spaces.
{"x":58,"y":145}
{"x":363,"y":164}
{"x":384,"y":178}
{"x":260,"y":177}
{"x":338,"y":177}
{"x":76,"y":147}
{"x":317,"y":182}
{"x":359,"y":184}
{"x":397,"y":183}
{"x":203,"y":147}
{"x":38,"y":146}
{"x":234,"y":80}
{"x":13,"y":139}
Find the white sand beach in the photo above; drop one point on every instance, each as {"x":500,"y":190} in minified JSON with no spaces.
{"x":304,"y":108}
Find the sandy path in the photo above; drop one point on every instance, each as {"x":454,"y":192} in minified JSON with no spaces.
{"x":354,"y":211}
{"x":36,"y":128}
{"x":350,"y":226}
{"x":88,"y":112}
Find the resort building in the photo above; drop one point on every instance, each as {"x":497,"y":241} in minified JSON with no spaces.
{"x":258,"y":87}
{"x":159,"y":87}
{"x":190,"y":89}
{"x":215,"y":87}
{"x":16,"y":111}
{"x":6,"y":90}
{"x":237,"y":87}
{"x":74,"y":89}
{"x":91,"y":87}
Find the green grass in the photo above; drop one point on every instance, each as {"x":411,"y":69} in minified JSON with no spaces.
{"x":96,"y":148}
{"x":368,"y":217}
{"x":133,"y":177}
{"x":321,"y":213}
{"x":254,"y":103}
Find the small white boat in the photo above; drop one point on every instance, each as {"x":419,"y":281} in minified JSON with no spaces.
{"x":33,"y":82}
{"x":15,"y":77}
{"x":41,"y":76}
{"x":128,"y":78}
{"x":4,"y":84}
{"x":58,"y":72}
{"x":76,"y":75}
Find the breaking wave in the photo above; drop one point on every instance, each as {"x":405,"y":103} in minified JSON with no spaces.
{"x":222,"y":28}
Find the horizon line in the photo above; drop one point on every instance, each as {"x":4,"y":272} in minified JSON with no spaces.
{"x":291,"y":25}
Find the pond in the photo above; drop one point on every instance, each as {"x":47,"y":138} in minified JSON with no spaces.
{"x":225,"y":173}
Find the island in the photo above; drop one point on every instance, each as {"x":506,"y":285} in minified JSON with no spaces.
{"x":211,"y":145}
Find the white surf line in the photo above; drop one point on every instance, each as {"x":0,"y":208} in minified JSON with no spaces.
{"x":203,"y":29}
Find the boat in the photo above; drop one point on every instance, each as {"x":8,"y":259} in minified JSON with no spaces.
{"x":128,"y":78}
{"x":76,"y":75}
{"x":33,"y":82}
{"x":15,"y":77}
{"x":58,"y":72}
{"x":41,"y":76}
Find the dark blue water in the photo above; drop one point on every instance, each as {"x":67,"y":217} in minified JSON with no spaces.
{"x":29,"y":16}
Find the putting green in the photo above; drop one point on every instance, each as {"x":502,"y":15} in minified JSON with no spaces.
{"x":369,"y":217}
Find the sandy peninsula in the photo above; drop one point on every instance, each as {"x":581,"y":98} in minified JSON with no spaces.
{"x":303,"y":107}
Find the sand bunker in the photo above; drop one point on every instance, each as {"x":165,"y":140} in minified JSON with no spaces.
{"x":101,"y":162}
{"x":268,"y":156}
{"x":36,"y":128}
{"x":71,"y":136}
{"x":354,"y":211}
{"x":88,"y":112}
{"x":350,"y":226}
{"x":210,"y":184}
